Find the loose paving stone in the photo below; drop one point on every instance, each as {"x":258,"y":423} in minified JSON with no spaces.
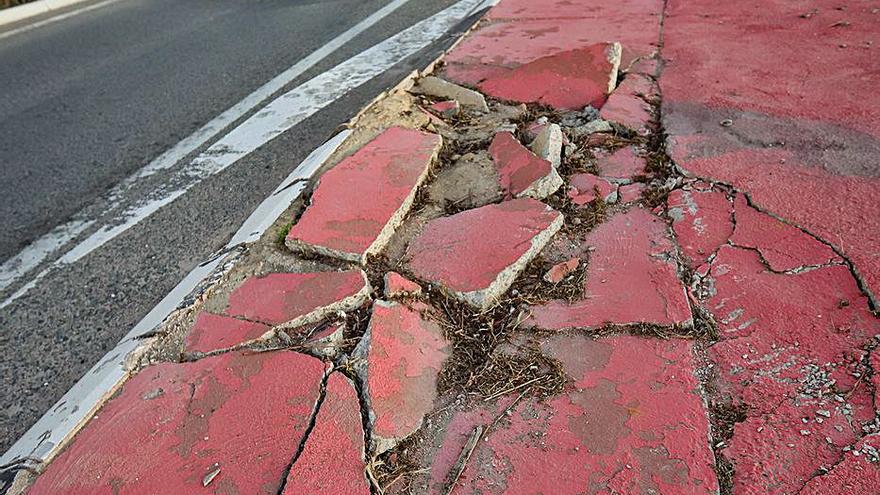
{"x":358,"y":204}
{"x":212,"y":332}
{"x":289,"y":300}
{"x":632,"y":421}
{"x":448,"y":108}
{"x":631,"y":192}
{"x":434,"y":86}
{"x":209,"y":426}
{"x":477,"y":254}
{"x":856,"y":473}
{"x":548,"y":143}
{"x":521,"y":172}
{"x":559,"y":271}
{"x":621,"y":165}
{"x":332,"y":459}
{"x":625,"y":106}
{"x":406,"y":352}
{"x":396,"y":285}
{"x":702,"y":221}
{"x":568,"y":80}
{"x":631,"y":278}
{"x":791,"y":346}
{"x":586,"y":188}
{"x":782,"y":246}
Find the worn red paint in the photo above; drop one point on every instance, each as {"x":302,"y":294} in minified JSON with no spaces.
{"x":702,"y":221}
{"x":586,"y":188}
{"x":396,"y":285}
{"x":569,"y":80}
{"x":631,"y":192}
{"x":467,"y":251}
{"x":854,"y":474}
{"x":807,"y":153}
{"x":354,"y":202}
{"x":212,"y":332}
{"x":632,"y":421}
{"x":406,"y":353}
{"x":628,"y":106}
{"x":278,"y":298}
{"x":174,"y":424}
{"x":631,"y":278}
{"x":446,"y":107}
{"x":332,"y":459}
{"x":622,"y":164}
{"x":518,"y":168}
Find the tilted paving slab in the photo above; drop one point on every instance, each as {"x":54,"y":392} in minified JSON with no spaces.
{"x":405,"y":352}
{"x":631,"y":278}
{"x":333,"y":457}
{"x":627,"y":107}
{"x":631,"y":421}
{"x":358,"y":204}
{"x":174,"y":428}
{"x":434,"y":86}
{"x":289,"y":300}
{"x":477,"y":254}
{"x":521,"y":172}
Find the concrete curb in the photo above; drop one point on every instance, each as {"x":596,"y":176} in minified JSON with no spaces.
{"x":33,"y":9}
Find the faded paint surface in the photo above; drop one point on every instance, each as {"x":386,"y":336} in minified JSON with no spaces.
{"x":212,"y":332}
{"x":623,"y":164}
{"x":174,"y":424}
{"x":586,"y":188}
{"x":702,"y":221}
{"x":631,"y":278}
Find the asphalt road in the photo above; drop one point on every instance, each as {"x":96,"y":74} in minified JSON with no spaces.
{"x":89,"y":100}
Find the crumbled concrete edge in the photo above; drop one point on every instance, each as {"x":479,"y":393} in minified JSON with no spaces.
{"x":613,"y":53}
{"x":346,"y":304}
{"x":434,"y":86}
{"x":486,"y":298}
{"x":397,"y":218}
{"x":543,"y":187}
{"x":548,"y":144}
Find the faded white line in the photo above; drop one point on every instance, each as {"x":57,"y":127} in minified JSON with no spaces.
{"x":37,"y":252}
{"x":54,"y":19}
{"x":282,"y":114}
{"x":78,"y":404}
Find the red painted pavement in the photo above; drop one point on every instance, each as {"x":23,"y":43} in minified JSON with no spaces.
{"x":584,"y":187}
{"x":174,"y":424}
{"x":406,"y":353}
{"x":630,"y":279}
{"x":622,"y":164}
{"x":854,"y":474}
{"x":518,"y":168}
{"x":702,"y":221}
{"x":355,"y":200}
{"x":632,"y":421}
{"x":278,"y":298}
{"x":626,"y":105}
{"x":332,"y":460}
{"x":212,"y":332}
{"x":396,"y":285}
{"x":802,"y":119}
{"x":631,"y":192}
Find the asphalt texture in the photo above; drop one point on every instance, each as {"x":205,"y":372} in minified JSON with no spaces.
{"x":91,"y":99}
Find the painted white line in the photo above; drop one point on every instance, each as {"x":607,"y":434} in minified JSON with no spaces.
{"x":54,"y":19}
{"x":81,"y":401}
{"x":47,"y":245}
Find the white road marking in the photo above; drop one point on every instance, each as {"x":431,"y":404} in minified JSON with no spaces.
{"x":38,"y":251}
{"x":80,"y":402}
{"x":54,"y":19}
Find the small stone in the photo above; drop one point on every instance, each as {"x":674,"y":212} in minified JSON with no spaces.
{"x":561,"y":270}
{"x":446,"y":108}
{"x":396,"y":285}
{"x":434,"y":86}
{"x":548,"y":144}
{"x":726,"y":123}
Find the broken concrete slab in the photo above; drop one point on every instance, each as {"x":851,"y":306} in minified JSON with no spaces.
{"x":521,"y":172}
{"x":631,"y":278}
{"x":628,"y":193}
{"x":333,"y":457}
{"x":470,"y":182}
{"x":434,"y":86}
{"x":212,"y":332}
{"x":568,"y":80}
{"x":857,"y":472}
{"x":629,"y":111}
{"x":702,"y":221}
{"x":477,"y":254}
{"x":622,"y":164}
{"x":448,"y":108}
{"x":782,"y":246}
{"x":586,"y":188}
{"x":548,"y":144}
{"x":631,"y":421}
{"x":324,"y":341}
{"x":559,"y":271}
{"x":290,"y":300}
{"x":405,"y":353}
{"x":179,"y":428}
{"x":396,"y":285}
{"x":358,"y":204}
